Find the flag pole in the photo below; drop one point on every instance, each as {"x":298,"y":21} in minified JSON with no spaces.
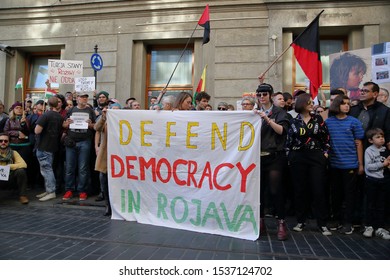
{"x":164,"y":90}
{"x":182,"y":53}
{"x":23,"y":101}
{"x":261,"y":77}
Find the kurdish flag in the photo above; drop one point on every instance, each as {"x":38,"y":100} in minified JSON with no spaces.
{"x":19,"y":84}
{"x":201,"y":85}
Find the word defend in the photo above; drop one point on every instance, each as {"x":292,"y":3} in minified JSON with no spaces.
{"x":64,"y":71}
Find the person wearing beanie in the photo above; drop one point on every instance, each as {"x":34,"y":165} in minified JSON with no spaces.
{"x":102,"y":100}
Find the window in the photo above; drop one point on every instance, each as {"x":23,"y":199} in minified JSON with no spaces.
{"x":37,"y":67}
{"x":328,"y":46}
{"x":161,"y":62}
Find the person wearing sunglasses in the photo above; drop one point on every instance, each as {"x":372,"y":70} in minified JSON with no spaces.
{"x":273,"y":156}
{"x":247,"y":103}
{"x":308,"y":145}
{"x":222,"y":106}
{"x":17,"y":174}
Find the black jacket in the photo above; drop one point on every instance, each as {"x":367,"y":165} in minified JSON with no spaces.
{"x":379,"y":118}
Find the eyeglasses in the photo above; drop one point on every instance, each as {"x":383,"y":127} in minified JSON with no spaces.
{"x":310,"y":102}
{"x":3,"y":141}
{"x":246,"y":104}
{"x":259,"y":94}
{"x":222,"y":108}
{"x":365,"y":90}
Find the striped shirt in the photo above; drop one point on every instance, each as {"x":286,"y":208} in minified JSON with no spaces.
{"x":343,"y":133}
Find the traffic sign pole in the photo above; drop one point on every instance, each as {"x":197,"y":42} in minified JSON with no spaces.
{"x":94,"y":71}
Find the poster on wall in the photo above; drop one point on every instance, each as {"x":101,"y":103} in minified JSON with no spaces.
{"x":350,"y":70}
{"x":190,"y":170}
{"x":381,"y":64}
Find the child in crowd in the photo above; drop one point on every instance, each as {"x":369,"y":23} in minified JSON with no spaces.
{"x":346,"y":161}
{"x":377,"y":164}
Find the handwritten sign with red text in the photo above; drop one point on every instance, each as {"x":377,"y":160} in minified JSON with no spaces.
{"x":192,"y":170}
{"x":64,"y":71}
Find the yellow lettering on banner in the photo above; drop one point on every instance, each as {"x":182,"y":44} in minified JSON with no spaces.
{"x":302,"y":131}
{"x":169,"y":134}
{"x":242,"y":132}
{"x":129,"y":136}
{"x":190,"y":134}
{"x":145,"y":132}
{"x":223,"y":139}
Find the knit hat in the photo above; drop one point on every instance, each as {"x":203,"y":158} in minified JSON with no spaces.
{"x":115,"y":105}
{"x":16,"y":104}
{"x":105,"y":93}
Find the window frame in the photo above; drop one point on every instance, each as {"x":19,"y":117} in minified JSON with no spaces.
{"x":170,"y":87}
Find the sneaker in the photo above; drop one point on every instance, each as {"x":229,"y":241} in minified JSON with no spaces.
{"x":334,"y":225}
{"x":23,"y":199}
{"x":347,"y":229}
{"x":382,"y":233}
{"x":41,"y":195}
{"x":68,"y":195}
{"x":48,"y":196}
{"x":368,"y":231}
{"x":299,"y":227}
{"x":83,"y":196}
{"x":282,"y":230}
{"x":325,"y":231}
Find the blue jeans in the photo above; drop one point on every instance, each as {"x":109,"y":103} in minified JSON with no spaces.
{"x":77,"y":156}
{"x":46,"y":163}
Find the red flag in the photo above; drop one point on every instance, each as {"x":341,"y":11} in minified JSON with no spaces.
{"x":201,"y":85}
{"x":204,"y":21}
{"x":307,"y":52}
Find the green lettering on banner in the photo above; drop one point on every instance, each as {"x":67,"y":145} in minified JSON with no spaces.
{"x":251,"y":219}
{"x":134,"y":204}
{"x":212,"y":213}
{"x":162,"y":202}
{"x":198,"y":204}
{"x":185,"y":212}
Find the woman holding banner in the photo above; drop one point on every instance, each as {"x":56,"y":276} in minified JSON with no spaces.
{"x":273,"y":156}
{"x":183,"y":101}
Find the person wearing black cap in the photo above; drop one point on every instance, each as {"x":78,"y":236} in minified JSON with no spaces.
{"x":273,"y":156}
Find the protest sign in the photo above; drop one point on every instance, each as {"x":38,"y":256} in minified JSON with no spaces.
{"x":191,"y":170}
{"x":4,"y":172}
{"x":84,"y":84}
{"x":64,"y":71}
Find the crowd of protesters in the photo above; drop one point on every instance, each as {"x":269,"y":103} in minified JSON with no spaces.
{"x":327,"y":163}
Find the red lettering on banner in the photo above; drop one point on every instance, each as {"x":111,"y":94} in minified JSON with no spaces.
{"x":206,"y":173}
{"x":175,"y":177}
{"x":147,"y":164}
{"x":165,"y":171}
{"x":122,"y":166}
{"x":169,"y":171}
{"x":192,"y":169}
{"x":218,"y":186}
{"x":130,"y":167}
{"x":244,"y":174}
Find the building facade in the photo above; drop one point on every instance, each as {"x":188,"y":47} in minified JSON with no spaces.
{"x":142,"y":41}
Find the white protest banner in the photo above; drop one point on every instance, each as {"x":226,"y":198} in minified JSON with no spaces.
{"x":4,"y":172}
{"x":64,"y":71}
{"x":191,"y":170}
{"x":84,"y":84}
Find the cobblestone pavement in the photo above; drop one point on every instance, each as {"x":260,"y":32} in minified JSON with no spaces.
{"x":54,"y":230}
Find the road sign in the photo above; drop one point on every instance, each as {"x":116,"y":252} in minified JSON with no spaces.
{"x":96,"y":62}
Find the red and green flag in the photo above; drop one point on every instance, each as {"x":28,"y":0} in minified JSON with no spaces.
{"x":307,"y":52}
{"x":201,"y":85}
{"x":204,"y":21}
{"x":19,"y":84}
